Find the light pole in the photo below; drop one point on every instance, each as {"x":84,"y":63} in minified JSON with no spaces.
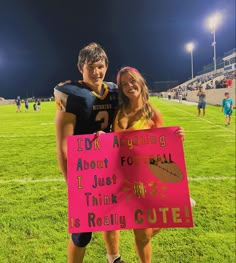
{"x":189,"y":48}
{"x":213,"y":23}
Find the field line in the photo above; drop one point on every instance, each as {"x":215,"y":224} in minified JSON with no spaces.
{"x":47,"y":123}
{"x":211,"y":178}
{"x":51,"y":180}
{"x":24,"y":136}
{"x":28,"y":181}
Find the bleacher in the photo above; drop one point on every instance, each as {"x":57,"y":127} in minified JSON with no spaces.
{"x":215,"y":83}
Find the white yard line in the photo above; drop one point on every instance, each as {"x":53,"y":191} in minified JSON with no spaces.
{"x":211,"y":178}
{"x":28,"y":181}
{"x":50,"y":180}
{"x":25,"y":136}
{"x":202,"y":130}
{"x":47,"y":123}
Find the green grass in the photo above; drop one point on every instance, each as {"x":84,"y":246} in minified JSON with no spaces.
{"x":33,"y":206}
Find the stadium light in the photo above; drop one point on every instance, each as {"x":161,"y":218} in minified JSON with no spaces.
{"x":190,"y":48}
{"x":213,"y":23}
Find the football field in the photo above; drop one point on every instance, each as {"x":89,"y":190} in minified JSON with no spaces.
{"x":33,"y":195}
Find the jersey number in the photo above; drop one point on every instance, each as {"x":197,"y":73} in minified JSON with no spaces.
{"x":103,"y":118}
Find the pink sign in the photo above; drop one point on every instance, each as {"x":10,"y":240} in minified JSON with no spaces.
{"x":127,"y":180}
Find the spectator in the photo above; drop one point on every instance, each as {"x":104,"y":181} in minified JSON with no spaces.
{"x":201,"y":101}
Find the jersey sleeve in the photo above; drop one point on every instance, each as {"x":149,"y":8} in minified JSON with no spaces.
{"x":60,"y":99}
{"x":65,"y":98}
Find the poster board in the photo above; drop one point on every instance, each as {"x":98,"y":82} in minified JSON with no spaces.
{"x":127,"y":180}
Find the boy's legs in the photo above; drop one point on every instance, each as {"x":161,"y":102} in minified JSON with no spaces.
{"x":227,"y":119}
{"x":203,"y":108}
{"x":203,"y":111}
{"x":198,"y":111}
{"x":77,"y":246}
{"x":75,"y":254}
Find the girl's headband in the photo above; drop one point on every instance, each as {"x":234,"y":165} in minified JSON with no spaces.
{"x":124,"y":69}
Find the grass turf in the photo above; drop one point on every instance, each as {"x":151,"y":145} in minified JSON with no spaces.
{"x":33,"y":206}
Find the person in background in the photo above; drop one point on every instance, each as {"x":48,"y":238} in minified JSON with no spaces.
{"x":201,"y":102}
{"x":35,"y":106}
{"x":26,"y":105}
{"x":38,"y":104}
{"x":85,"y":107}
{"x":137,"y":113}
{"x":18,"y":104}
{"x":227,"y":108}
{"x":180,"y":94}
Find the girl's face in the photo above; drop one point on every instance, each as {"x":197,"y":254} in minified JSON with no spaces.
{"x":130,"y":86}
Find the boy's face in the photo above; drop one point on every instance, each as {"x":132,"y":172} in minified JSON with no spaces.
{"x":226,"y":96}
{"x":94,"y":73}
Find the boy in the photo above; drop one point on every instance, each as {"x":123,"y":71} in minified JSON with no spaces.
{"x":227,"y":107}
{"x":85,"y":107}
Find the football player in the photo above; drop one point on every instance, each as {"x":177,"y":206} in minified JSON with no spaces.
{"x":84,"y":107}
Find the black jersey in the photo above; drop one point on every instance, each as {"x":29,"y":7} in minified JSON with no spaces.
{"x":93,"y":112}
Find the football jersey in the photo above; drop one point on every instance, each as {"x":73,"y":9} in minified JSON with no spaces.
{"x":93,"y":112}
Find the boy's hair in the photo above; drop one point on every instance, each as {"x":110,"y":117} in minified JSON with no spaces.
{"x":226,"y":93}
{"x":93,"y":52}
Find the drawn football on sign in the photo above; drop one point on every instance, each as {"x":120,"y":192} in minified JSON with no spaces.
{"x":165,"y":169}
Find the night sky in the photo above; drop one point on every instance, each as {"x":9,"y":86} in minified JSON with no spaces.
{"x":40,"y":39}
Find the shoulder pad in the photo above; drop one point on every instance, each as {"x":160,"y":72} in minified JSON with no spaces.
{"x":64,"y":83}
{"x":111,"y":85}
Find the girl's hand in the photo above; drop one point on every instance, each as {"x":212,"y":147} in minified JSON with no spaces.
{"x":181,"y":133}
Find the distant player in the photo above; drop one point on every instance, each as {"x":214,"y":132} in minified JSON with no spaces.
{"x":26,"y":105}
{"x":227,"y":107}
{"x":18,"y":104}
{"x":35,"y":106}
{"x":38,"y":104}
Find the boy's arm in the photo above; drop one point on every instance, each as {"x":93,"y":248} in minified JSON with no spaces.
{"x":65,"y":123}
{"x":222,"y":104}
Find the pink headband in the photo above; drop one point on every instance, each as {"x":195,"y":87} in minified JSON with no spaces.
{"x":123,"y":69}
